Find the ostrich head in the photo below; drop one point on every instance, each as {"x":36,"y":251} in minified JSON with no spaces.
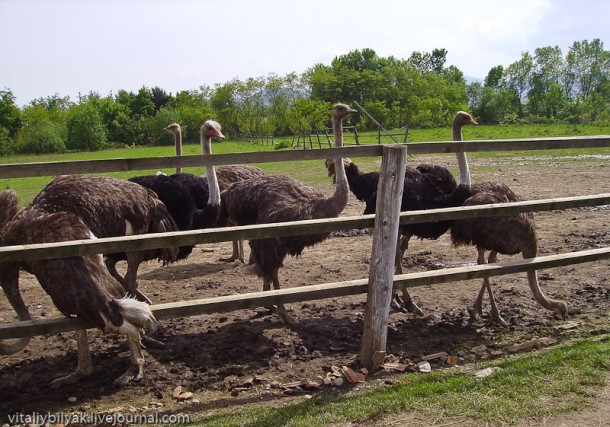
{"x":330,"y":165}
{"x":463,"y":118}
{"x":211,"y":129}
{"x":341,"y":110}
{"x":173,"y":128}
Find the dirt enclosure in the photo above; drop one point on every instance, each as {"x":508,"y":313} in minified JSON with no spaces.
{"x":248,"y":357}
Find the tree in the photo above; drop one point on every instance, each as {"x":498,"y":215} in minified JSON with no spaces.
{"x":519,"y":79}
{"x":41,"y":137}
{"x":494,"y":77}
{"x":10,"y":115}
{"x":159,"y":97}
{"x":85,"y":129}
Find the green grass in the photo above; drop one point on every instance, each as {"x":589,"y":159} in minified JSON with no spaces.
{"x":548,"y":382}
{"x":312,"y":172}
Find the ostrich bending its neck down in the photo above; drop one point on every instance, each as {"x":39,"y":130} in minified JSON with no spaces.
{"x":78,"y":286}
{"x":278,"y":198}
{"x":508,"y":234}
{"x":112,"y":207}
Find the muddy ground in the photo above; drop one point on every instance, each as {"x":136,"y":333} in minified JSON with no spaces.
{"x":248,"y":357}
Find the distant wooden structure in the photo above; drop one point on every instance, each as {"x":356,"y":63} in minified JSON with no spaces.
{"x":307,"y":138}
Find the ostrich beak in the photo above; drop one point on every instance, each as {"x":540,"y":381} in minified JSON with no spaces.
{"x":472,"y":122}
{"x":217,"y":134}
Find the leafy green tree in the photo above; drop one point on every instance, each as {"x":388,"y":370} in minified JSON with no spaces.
{"x":164,"y":117}
{"x":519,"y":76}
{"x":494,"y":77}
{"x":10,"y":115}
{"x":141,"y":104}
{"x":224,"y":103}
{"x":41,"y":137}
{"x":193,"y":108}
{"x":85,"y":129}
{"x":159,"y":97}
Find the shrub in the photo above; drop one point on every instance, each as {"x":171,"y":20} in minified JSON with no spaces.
{"x":85,"y":129}
{"x":41,"y":137}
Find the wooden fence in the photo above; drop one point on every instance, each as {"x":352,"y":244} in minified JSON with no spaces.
{"x":386,"y":221}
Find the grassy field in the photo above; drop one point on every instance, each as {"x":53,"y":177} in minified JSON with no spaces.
{"x":311,"y":172}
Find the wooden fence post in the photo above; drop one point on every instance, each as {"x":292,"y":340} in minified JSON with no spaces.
{"x":381,"y":274}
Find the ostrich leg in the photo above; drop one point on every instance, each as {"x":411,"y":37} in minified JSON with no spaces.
{"x":85,"y":365}
{"x":135,"y":372}
{"x":404,"y":304}
{"x":280,"y":309}
{"x":477,"y":309}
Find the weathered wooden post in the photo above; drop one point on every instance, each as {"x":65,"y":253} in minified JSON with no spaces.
{"x":381,"y":274}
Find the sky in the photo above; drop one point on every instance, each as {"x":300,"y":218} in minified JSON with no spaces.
{"x":72,"y":47}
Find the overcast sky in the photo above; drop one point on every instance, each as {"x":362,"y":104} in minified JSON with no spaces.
{"x":67,"y":47}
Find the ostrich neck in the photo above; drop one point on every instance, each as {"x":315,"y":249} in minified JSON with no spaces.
{"x":463,"y":167}
{"x":341,"y":185}
{"x":178,"y":143}
{"x":210,"y":171}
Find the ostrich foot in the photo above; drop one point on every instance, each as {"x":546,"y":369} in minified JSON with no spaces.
{"x":135,"y":373}
{"x":494,"y":316}
{"x":405,"y":306}
{"x":284,"y":316}
{"x":150,"y":342}
{"x":229,"y":259}
{"x":73,"y":378}
{"x":251,"y":269}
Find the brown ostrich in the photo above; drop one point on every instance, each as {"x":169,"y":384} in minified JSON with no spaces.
{"x":425,"y":187}
{"x":79,"y":286}
{"x":507,"y":234}
{"x":278,"y":198}
{"x":228,"y":175}
{"x":112,"y":207}
{"x":9,"y":206}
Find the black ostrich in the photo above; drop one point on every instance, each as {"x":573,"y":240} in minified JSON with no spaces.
{"x":198,"y":187}
{"x":507,"y":234}
{"x":83,"y":208}
{"x":186,"y":196}
{"x":278,"y":198}
{"x":425,"y":187}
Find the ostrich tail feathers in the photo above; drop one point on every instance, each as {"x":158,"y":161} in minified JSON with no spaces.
{"x":9,"y":206}
{"x":170,"y":254}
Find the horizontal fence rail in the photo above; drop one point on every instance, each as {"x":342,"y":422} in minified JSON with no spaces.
{"x":153,"y":163}
{"x":312,"y":292}
{"x":249,"y":232}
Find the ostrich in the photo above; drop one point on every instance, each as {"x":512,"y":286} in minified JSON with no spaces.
{"x":112,"y":207}
{"x":79,"y":286}
{"x":278,"y":198}
{"x":425,"y":187}
{"x":177,"y":131}
{"x":186,"y":196}
{"x":507,"y":234}
{"x":9,"y":206}
{"x":198,"y":186}
{"x":228,"y":175}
